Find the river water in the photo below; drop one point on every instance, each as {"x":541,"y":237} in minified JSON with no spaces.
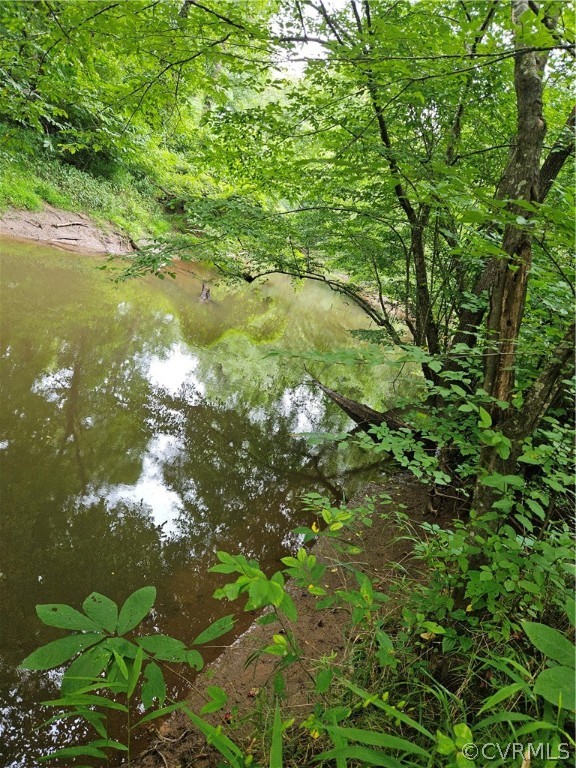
{"x":141,"y":430}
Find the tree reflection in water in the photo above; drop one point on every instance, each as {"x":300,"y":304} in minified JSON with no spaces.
{"x":141,"y":432}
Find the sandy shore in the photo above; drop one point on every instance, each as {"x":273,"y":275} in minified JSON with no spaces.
{"x":64,"y":229}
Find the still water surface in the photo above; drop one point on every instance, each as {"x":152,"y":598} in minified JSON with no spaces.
{"x":140,"y":431}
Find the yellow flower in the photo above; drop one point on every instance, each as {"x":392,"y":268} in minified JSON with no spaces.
{"x":315,"y":733}
{"x":315,"y":527}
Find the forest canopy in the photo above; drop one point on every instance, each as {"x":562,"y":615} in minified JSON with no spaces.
{"x":416,"y":157}
{"x":413,"y":155}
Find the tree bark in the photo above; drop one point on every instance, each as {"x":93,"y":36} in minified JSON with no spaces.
{"x":520,"y":182}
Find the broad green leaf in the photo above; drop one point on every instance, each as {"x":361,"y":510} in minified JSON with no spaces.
{"x":154,"y":686}
{"x":102,"y":610}
{"x":323,"y":680}
{"x":223,"y":744}
{"x":557,"y":686}
{"x":463,"y":735}
{"x":85,"y":669}
{"x":163,"y":647}
{"x":122,"y":646}
{"x":444,"y":744}
{"x":194,"y":659}
{"x":288,"y":607}
{"x":218,"y":698}
{"x":217,"y":629}
{"x":58,"y":651}
{"x":550,"y":642}
{"x":109,"y":744}
{"x":485,"y":420}
{"x":65,"y":617}
{"x":136,"y":608}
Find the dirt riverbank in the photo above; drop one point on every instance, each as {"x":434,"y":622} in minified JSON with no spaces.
{"x":176,"y":744}
{"x":64,"y":229}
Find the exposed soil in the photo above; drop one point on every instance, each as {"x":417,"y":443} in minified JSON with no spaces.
{"x":176,"y":744}
{"x":64,"y":229}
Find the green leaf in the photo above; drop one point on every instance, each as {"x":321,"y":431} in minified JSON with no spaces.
{"x":276,"y":746}
{"x":83,"y":700}
{"x":57,"y":652}
{"x":550,"y":642}
{"x":85,"y":669}
{"x":223,"y":744}
{"x":91,"y":716}
{"x":556,"y":685}
{"x":501,"y":695}
{"x":109,"y":744}
{"x":135,"y":673}
{"x":217,"y":629}
{"x":75,"y":752}
{"x":323,"y":680}
{"x":136,"y":608}
{"x":121,"y":664}
{"x":392,"y":711}
{"x":463,"y":735}
{"x":102,"y":610}
{"x":218,"y":698}
{"x":194,"y":659}
{"x":65,"y":617}
{"x":163,"y":647}
{"x":571,"y":610}
{"x":122,"y":646}
{"x":377,"y":739}
{"x":159,"y":713}
{"x":485,"y":420}
{"x":288,"y":607}
{"x":444,"y":744}
{"x":154,"y":686}
{"x":365,"y":755}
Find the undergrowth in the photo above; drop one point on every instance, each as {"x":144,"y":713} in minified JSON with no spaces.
{"x":31,"y":175}
{"x":433,"y":683}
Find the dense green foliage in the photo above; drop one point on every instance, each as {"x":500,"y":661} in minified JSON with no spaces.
{"x":425,"y":688}
{"x":416,"y":162}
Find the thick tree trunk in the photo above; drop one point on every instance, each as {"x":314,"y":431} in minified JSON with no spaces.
{"x":520,"y":182}
{"x":521,"y":423}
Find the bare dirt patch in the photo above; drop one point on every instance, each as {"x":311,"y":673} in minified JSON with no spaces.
{"x":175,"y":743}
{"x":64,"y":229}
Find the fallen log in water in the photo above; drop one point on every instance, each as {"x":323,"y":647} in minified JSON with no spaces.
{"x":364,"y":416}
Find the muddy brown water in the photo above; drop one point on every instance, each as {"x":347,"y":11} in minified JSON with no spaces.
{"x":141,"y":430}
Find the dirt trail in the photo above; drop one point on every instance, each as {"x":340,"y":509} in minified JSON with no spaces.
{"x":64,"y":229}
{"x":175,"y":743}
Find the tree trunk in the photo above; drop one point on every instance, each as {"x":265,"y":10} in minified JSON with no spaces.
{"x":509,"y":287}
